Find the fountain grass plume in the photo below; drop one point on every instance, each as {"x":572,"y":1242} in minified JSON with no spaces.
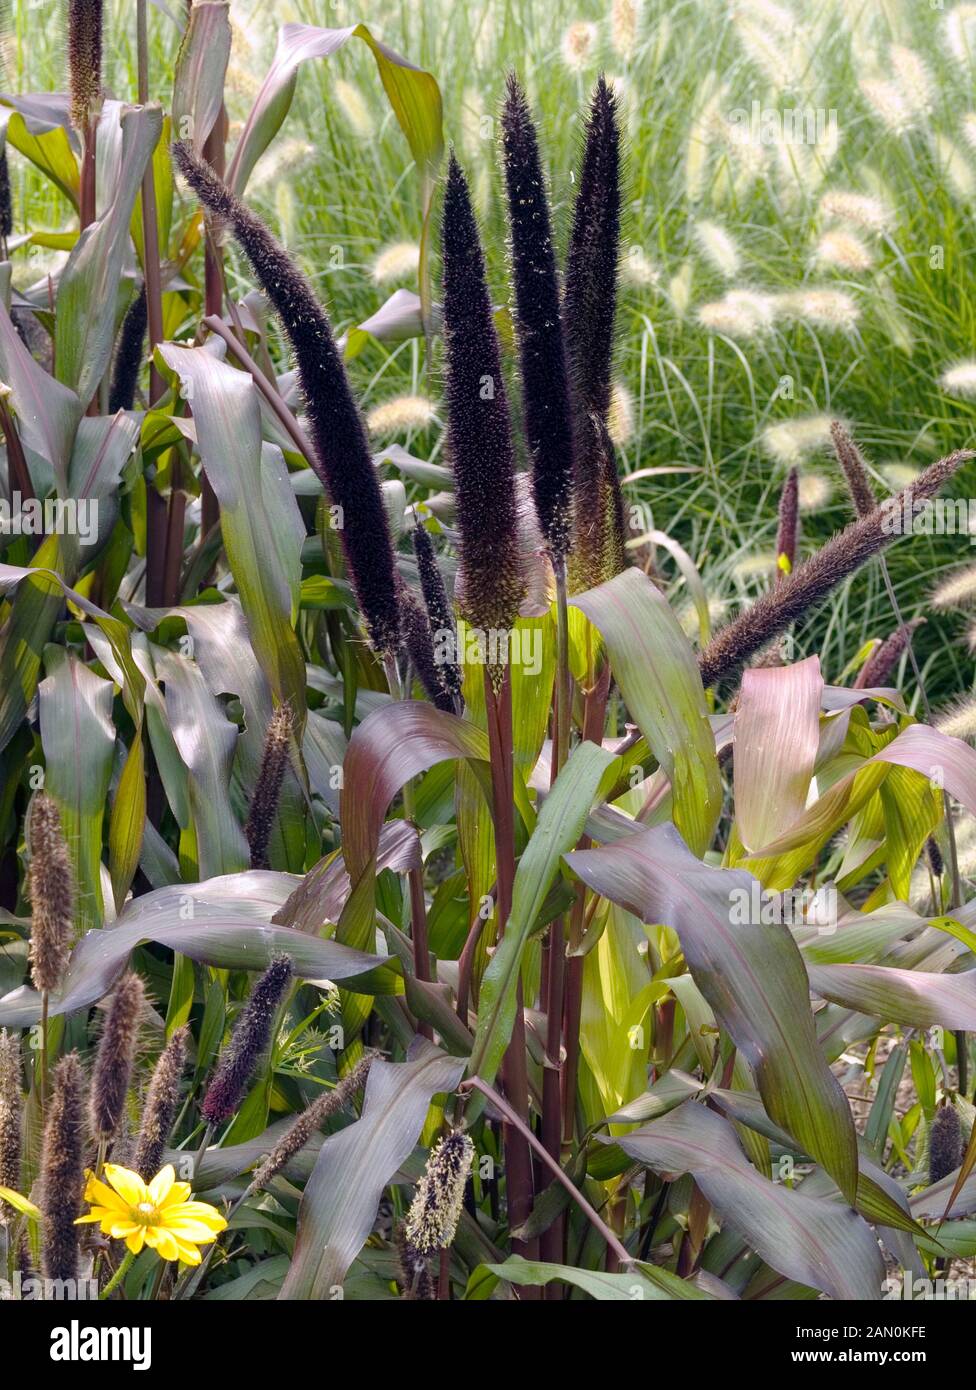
{"x":250,"y":1038}
{"x":341,"y":457}
{"x":543,"y":359}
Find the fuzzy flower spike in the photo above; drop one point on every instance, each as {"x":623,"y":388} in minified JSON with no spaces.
{"x":589,"y":309}
{"x":342,"y":457}
{"x":251,"y":1036}
{"x":479,"y":432}
{"x":542,"y":352}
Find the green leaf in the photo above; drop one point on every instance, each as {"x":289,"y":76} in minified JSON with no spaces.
{"x":587,"y":772}
{"x":341,"y":1198}
{"x":655,"y":668}
{"x":915,"y":997}
{"x":261,"y":525}
{"x":128,"y":821}
{"x":78,"y":739}
{"x":37,"y":126}
{"x":88,"y":289}
{"x":752,"y":976}
{"x":819,"y":1243}
{"x":647,"y":1282}
{"x":201,"y":68}
{"x":225,"y":922}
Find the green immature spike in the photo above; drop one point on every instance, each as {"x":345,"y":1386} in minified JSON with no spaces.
{"x":479,"y":433}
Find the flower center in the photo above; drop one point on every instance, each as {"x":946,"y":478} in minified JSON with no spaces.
{"x":145,"y":1214}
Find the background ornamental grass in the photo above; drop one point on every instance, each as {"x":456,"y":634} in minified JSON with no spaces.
{"x":740,"y":237}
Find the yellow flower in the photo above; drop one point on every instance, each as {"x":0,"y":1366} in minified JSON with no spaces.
{"x":158,"y":1213}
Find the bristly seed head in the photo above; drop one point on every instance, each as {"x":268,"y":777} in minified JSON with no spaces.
{"x":267,"y":787}
{"x":479,"y":435}
{"x":312,"y":1118}
{"x":589,"y":311}
{"x":6,"y":203}
{"x":436,"y":1208}
{"x":160,"y":1107}
{"x":116,"y":1053}
{"x":812,"y":581}
{"x":128,"y":355}
{"x":84,"y":59}
{"x":855,"y":469}
{"x":62,"y":1170}
{"x":885,"y":657}
{"x":11,"y":1116}
{"x":51,"y":888}
{"x":341,"y":456}
{"x":542,"y":351}
{"x":789,"y":506}
{"x":439,"y":611}
{"x":945,"y":1143}
{"x":249,"y":1040}
{"x":418,"y":639}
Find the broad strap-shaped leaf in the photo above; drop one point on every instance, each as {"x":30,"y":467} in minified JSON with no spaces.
{"x":341,"y":1198}
{"x":654,"y":665}
{"x":37,"y":125}
{"x":776,"y":737}
{"x":88,"y":289}
{"x":819,"y":1243}
{"x":917,"y":998}
{"x":78,"y":739}
{"x":558,"y":828}
{"x":201,"y":68}
{"x":225,"y":922}
{"x":644,"y":1282}
{"x":261,"y":526}
{"x":47,"y":411}
{"x":753,"y":977}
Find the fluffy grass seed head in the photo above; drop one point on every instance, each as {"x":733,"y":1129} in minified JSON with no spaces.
{"x":814,"y":492}
{"x":399,"y":261}
{"x":957,"y":590}
{"x":62,"y":1170}
{"x":624,"y":22}
{"x":355,"y":109}
{"x":112,"y":1072}
{"x":400,"y":415}
{"x":859,"y":209}
{"x":718,"y":248}
{"x":578,"y":45}
{"x":959,"y":28}
{"x":250,"y":1038}
{"x":831,"y":310}
{"x":958,"y":720}
{"x":160,"y":1106}
{"x":436,"y":1208}
{"x":914,"y":79}
{"x":842,"y":250}
{"x":51,"y":888}
{"x":268,"y":784}
{"x":738,"y":314}
{"x":792,"y":441}
{"x":960,"y":380}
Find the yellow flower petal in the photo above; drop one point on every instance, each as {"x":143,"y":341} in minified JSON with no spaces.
{"x":160,"y":1240}
{"x":178,"y":1193}
{"x":121,"y":1230}
{"x":189,"y":1254}
{"x":195,"y":1211}
{"x":84,"y":1220}
{"x":161,"y":1184}
{"x":127,"y":1184}
{"x":192,"y":1230}
{"x":136,"y":1240}
{"x":100,"y":1195}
